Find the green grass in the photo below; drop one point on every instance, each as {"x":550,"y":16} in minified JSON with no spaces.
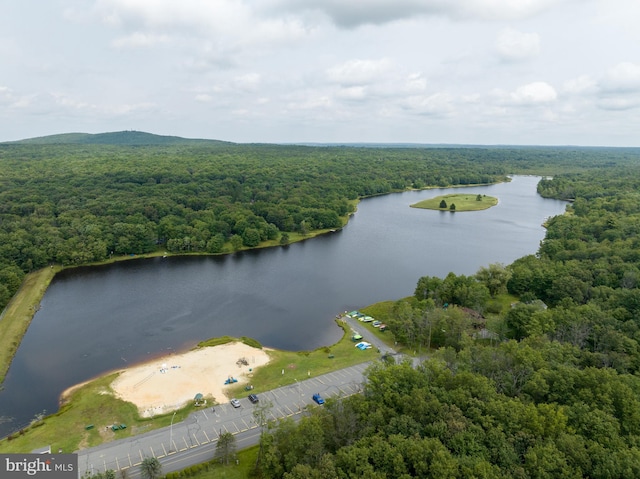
{"x":94,"y":403}
{"x":463,"y":202}
{"x":286,"y":367}
{"x":19,"y":313}
{"x":90,"y":403}
{"x":214,"y":470}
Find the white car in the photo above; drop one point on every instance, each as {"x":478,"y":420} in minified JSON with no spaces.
{"x":235,"y":403}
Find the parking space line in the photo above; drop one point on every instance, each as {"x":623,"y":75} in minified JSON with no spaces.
{"x":205,"y":435}
{"x":153,"y":454}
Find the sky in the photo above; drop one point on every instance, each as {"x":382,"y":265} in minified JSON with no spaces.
{"x":515,"y":72}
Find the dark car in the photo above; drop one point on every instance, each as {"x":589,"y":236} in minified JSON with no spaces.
{"x":235,"y":403}
{"x":253,"y":398}
{"x":317,"y":398}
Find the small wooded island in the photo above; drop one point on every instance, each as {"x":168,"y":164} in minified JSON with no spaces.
{"x":458,"y":202}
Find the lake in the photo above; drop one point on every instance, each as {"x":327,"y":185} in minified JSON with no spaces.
{"x":97,"y":319}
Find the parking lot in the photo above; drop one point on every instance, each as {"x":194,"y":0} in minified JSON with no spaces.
{"x":196,"y":435}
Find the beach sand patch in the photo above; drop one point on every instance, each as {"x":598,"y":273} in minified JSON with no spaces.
{"x":170,"y":382}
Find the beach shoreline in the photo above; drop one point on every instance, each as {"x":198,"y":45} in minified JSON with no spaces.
{"x":168,"y":383}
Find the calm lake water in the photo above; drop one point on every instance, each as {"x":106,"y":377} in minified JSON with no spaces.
{"x":93,"y":320}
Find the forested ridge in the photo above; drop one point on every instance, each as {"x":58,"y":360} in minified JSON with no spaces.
{"x":533,"y":367}
{"x":75,"y":199}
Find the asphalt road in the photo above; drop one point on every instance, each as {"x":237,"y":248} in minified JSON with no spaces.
{"x":194,"y":440}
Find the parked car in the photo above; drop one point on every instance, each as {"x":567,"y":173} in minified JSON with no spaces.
{"x":235,"y":403}
{"x":317,"y":398}
{"x":253,"y":398}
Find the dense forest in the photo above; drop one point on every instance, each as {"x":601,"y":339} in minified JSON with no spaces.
{"x":533,"y":367}
{"x":551,"y":389}
{"x":75,"y":199}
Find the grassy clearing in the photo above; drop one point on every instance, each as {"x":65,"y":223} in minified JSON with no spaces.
{"x":214,"y":470}
{"x":462,"y":202}
{"x":93,"y":402}
{"x":287,"y":367}
{"x":19,"y":312}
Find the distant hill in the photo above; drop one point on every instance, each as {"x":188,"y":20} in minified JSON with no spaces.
{"x":128,"y":138}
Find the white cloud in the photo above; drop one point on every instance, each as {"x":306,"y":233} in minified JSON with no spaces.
{"x":214,"y":33}
{"x":73,"y":105}
{"x":311,"y":102}
{"x":139,"y":39}
{"x":350,"y":14}
{"x":624,"y":77}
{"x":249,"y":82}
{"x":534,"y":93}
{"x":415,"y":83}
{"x":513,"y":45}
{"x":358,"y":72}
{"x":172,"y":15}
{"x":531,"y":94}
{"x":356,"y":69}
{"x":583,"y":84}
{"x":12,"y":100}
{"x":618,"y":103}
{"x":619,"y":88}
{"x":353,"y":93}
{"x":439,"y":104}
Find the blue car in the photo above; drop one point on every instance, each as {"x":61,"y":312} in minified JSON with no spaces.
{"x":317,"y":398}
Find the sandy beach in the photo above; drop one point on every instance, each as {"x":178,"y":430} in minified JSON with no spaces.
{"x":167,"y":383}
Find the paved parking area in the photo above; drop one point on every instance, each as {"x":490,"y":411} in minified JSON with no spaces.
{"x":203,"y":428}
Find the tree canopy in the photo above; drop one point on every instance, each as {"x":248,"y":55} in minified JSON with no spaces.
{"x":554,"y":393}
{"x":84,"y":198}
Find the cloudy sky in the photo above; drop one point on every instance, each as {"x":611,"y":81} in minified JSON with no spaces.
{"x":552,"y":72}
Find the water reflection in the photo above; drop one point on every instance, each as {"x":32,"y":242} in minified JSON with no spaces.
{"x":98,"y":319}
